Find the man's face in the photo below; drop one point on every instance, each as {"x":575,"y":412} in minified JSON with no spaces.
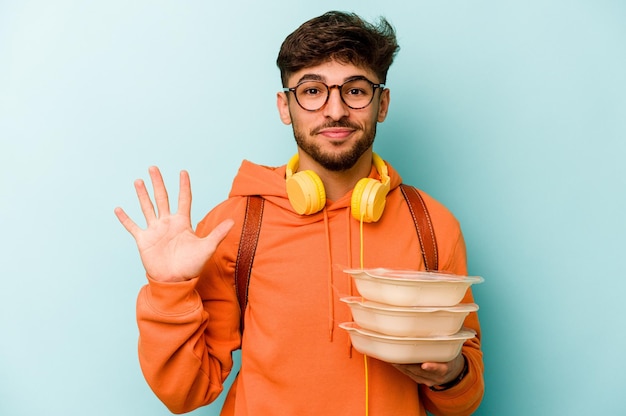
{"x":335,"y":136}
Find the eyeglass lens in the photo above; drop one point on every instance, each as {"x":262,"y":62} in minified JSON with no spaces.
{"x":312,"y":95}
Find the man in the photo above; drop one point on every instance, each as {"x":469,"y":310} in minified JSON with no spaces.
{"x":294,"y":359}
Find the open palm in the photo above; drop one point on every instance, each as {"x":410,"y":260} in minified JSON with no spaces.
{"x":169,"y":249}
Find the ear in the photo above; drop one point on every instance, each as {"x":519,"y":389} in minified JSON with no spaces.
{"x":282,"y":102}
{"x":383,"y":105}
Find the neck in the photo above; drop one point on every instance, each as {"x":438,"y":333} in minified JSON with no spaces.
{"x":337,"y":184}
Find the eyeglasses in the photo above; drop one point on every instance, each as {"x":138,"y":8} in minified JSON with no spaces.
{"x":357,"y":93}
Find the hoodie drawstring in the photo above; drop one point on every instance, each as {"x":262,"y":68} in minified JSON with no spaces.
{"x":331,"y":303}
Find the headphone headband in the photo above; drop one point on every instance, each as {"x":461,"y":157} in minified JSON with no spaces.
{"x":377,"y":161}
{"x":382,"y":170}
{"x":307,"y":195}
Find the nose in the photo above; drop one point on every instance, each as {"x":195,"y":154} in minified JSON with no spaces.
{"x":335,"y":108}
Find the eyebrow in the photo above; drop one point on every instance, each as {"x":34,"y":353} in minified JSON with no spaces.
{"x":317,"y":77}
{"x":310,"y":77}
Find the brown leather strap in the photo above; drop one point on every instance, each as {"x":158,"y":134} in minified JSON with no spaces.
{"x":423,"y":226}
{"x":247,"y":247}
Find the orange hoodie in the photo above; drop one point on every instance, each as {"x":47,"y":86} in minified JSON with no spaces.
{"x":294,"y":361}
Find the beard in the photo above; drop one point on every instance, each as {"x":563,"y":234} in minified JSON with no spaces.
{"x":335,"y":161}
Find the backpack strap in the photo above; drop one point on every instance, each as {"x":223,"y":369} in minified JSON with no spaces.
{"x":252,"y":228}
{"x":247,"y":247}
{"x":423,"y":226}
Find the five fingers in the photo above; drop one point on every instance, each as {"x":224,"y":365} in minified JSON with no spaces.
{"x":160,"y":197}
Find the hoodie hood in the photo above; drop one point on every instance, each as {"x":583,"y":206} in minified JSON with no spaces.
{"x":267,"y":181}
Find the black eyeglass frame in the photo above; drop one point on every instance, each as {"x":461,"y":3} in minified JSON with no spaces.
{"x":381,"y":86}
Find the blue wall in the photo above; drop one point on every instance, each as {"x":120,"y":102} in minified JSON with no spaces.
{"x":511,"y":113}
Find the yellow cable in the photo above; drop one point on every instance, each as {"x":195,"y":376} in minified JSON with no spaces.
{"x":361,"y":240}
{"x":367,"y":395}
{"x":367,"y":383}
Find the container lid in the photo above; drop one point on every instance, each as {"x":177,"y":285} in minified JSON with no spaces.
{"x":465,"y":333}
{"x":358,"y":300}
{"x":414,"y":275}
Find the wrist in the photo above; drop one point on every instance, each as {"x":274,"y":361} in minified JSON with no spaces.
{"x":172,"y":297}
{"x":456,"y":380}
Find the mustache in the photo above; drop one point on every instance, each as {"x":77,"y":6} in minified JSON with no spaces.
{"x":334,"y":124}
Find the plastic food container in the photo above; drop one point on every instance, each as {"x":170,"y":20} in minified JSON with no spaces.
{"x":406,"y":350}
{"x":408,"y":321}
{"x":410,"y":287}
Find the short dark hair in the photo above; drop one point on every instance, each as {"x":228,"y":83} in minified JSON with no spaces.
{"x":342,"y":37}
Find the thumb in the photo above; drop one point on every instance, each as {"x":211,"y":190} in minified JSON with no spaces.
{"x":432,"y":367}
{"x":219,"y":232}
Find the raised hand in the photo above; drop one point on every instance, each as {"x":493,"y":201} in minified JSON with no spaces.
{"x":169,"y":249}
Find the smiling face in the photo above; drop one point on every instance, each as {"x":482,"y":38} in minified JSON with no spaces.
{"x":335,"y":136}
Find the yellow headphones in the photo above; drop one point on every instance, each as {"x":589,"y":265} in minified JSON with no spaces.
{"x":307,"y":195}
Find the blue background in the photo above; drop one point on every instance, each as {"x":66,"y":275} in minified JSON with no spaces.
{"x":511,"y":113}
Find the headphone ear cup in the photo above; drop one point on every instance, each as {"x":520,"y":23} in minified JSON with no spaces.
{"x":306,"y":192}
{"x":368,"y":200}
